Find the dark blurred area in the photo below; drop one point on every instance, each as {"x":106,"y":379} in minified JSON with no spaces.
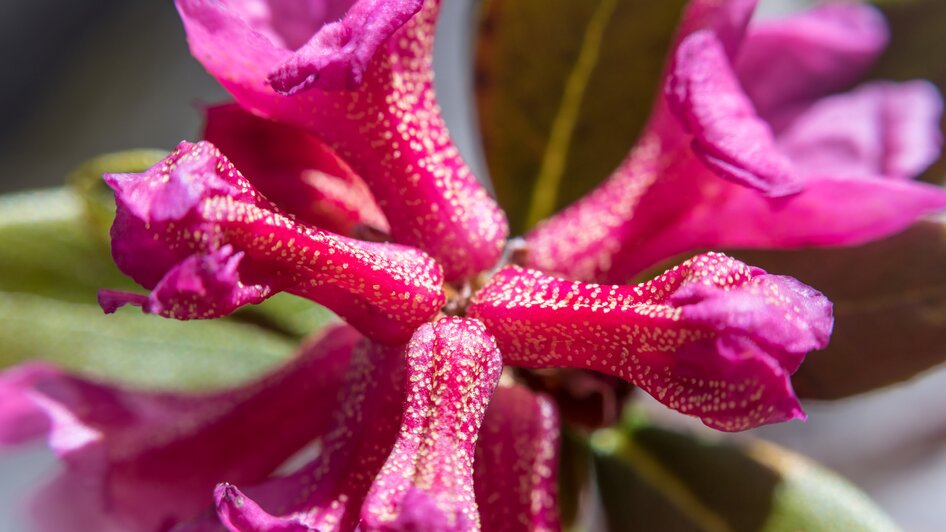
{"x":91,"y":76}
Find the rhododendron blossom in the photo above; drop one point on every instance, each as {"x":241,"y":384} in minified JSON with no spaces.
{"x":333,"y":178}
{"x":750,"y":146}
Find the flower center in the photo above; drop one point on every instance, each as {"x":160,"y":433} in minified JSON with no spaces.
{"x":459,"y":296}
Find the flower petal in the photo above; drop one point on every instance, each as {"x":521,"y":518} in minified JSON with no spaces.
{"x":20,"y":419}
{"x":664,"y":199}
{"x":788,"y":62}
{"x":196,"y":232}
{"x":327,"y":492}
{"x":881,"y":129}
{"x":729,"y":137}
{"x":144,"y":460}
{"x":427,"y":481}
{"x":712,"y":338}
{"x":390,"y":131}
{"x":337,"y":56}
{"x":294,"y":170}
{"x":831,"y":211}
{"x":516,"y":465}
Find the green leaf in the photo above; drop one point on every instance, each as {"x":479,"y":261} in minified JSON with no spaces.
{"x":564,"y":89}
{"x":915,"y":51}
{"x":135,"y":349}
{"x":47,"y":248}
{"x":889,"y":305}
{"x":653,"y":479}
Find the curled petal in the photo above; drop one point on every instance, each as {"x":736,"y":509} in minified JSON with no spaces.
{"x":712,"y":338}
{"x":294,"y":170}
{"x":198,"y":234}
{"x":337,"y":55}
{"x":200,"y":285}
{"x":881,"y":129}
{"x":390,"y":129}
{"x":144,"y":460}
{"x":785,"y":63}
{"x":427,"y":481}
{"x":729,"y":137}
{"x":516,"y":465}
{"x":327,"y":492}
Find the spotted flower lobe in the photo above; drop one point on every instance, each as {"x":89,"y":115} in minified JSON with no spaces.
{"x":516,"y":463}
{"x":453,"y":367}
{"x":388,"y":127}
{"x":712,"y":338}
{"x":198,"y":234}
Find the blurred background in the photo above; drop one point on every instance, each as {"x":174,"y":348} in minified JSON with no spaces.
{"x":92,"y":76}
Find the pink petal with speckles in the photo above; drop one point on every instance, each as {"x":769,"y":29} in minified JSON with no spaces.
{"x":139,"y":460}
{"x":389,"y":129}
{"x":453,"y":366}
{"x":327,"y":492}
{"x":657,"y":206}
{"x":789,"y":62}
{"x":294,"y":170}
{"x":516,"y":465}
{"x":198,"y":234}
{"x":712,"y":338}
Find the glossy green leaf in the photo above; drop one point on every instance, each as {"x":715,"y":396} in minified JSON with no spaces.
{"x":889,"y":305}
{"x":653,"y":479}
{"x":564,"y":89}
{"x":135,"y":349}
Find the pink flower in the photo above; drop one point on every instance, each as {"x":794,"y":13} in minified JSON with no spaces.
{"x":412,"y":426}
{"x":364,"y":85}
{"x":712,"y":337}
{"x":198,"y":234}
{"x":750,"y":146}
